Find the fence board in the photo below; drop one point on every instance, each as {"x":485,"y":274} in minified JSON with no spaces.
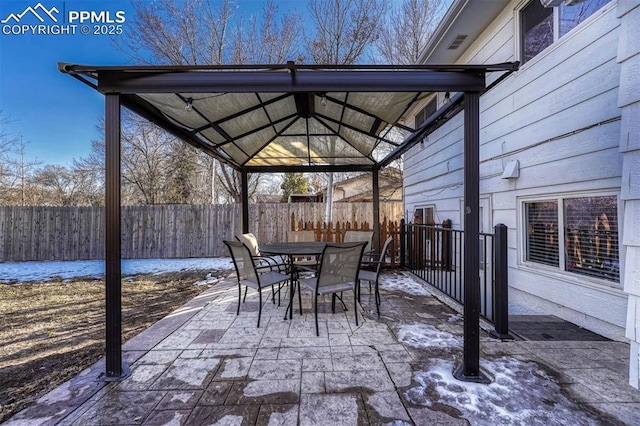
{"x":164,"y":231}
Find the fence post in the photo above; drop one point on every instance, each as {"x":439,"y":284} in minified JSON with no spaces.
{"x":403,"y":228}
{"x":501,"y":294}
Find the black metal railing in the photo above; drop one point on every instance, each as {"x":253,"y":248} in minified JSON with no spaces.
{"x":435,"y":254}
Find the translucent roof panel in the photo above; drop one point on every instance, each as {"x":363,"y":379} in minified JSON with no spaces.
{"x":172,"y":106}
{"x":337,"y":128}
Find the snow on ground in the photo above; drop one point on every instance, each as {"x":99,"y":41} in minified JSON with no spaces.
{"x":423,"y":336}
{"x":519,"y":394}
{"x":399,"y":282}
{"x":45,"y":271}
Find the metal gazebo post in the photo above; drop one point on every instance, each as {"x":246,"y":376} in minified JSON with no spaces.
{"x":470,"y":368}
{"x":115,"y":370}
{"x":245,"y":201}
{"x":376,"y":209}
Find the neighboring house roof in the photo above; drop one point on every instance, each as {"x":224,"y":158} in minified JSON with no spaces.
{"x":268,"y":198}
{"x":359,"y":188}
{"x":462,"y":24}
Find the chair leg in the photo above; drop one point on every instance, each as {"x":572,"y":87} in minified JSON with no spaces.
{"x":333,"y":303}
{"x":239,"y":298}
{"x":273,"y":295}
{"x":260,"y":305}
{"x":355,"y":308}
{"x":299,"y":300}
{"x":342,"y":301}
{"x":245,"y":294}
{"x":315,"y":309}
{"x":377,"y":299}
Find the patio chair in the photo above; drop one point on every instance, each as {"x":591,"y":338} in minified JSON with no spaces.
{"x":303,"y":236}
{"x":338,"y":272}
{"x":263,"y":262}
{"x":375,"y":262}
{"x":359,"y":236}
{"x":250,"y":276}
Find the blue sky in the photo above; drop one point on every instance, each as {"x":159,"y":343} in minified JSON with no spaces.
{"x":55,"y":114}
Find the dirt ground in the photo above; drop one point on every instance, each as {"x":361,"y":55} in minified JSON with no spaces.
{"x":51,"y":331}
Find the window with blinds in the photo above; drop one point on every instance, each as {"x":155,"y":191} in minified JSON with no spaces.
{"x":542,"y":238}
{"x":591,"y":235}
{"x":584,"y":241}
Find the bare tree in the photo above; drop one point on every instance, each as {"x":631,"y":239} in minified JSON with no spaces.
{"x":19,"y":171}
{"x":406,"y":31}
{"x":267,"y":40}
{"x":344,"y":29}
{"x":62,"y":186}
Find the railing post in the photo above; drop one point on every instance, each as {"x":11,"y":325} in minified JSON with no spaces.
{"x":446,"y":244}
{"x":501,"y":291}
{"x":403,"y":240}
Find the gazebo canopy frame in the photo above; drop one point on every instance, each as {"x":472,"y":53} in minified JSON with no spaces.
{"x":291,"y":118}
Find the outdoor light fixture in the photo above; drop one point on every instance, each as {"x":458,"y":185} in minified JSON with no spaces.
{"x":447,"y":99}
{"x":189,"y":104}
{"x":323,"y":99}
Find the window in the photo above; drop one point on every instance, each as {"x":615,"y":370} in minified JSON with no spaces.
{"x":424,"y":215}
{"x":425,"y":112}
{"x":577,"y":235}
{"x":541,"y":26}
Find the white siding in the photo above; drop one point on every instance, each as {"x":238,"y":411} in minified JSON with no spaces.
{"x":559,"y":116}
{"x":629,"y":101}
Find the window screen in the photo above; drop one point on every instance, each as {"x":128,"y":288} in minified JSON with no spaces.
{"x":537,"y":29}
{"x":542,"y":232}
{"x":591,"y":235}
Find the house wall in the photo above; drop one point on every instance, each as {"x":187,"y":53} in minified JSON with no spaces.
{"x":559,"y":117}
{"x":629,"y":102}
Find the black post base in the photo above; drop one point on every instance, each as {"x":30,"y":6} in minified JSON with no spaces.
{"x":480,"y":378}
{"x":501,"y":336}
{"x":126,"y":372}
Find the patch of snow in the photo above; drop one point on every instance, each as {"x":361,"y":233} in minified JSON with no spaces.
{"x":455,"y":317}
{"x":520,"y":394}
{"x":45,"y":271}
{"x":230,"y":420}
{"x":424,"y":336}
{"x":399,"y":282}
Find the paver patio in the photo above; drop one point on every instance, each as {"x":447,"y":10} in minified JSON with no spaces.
{"x":204,"y":365}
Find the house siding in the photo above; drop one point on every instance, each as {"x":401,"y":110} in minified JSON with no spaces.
{"x":559,"y":117}
{"x":629,"y":103}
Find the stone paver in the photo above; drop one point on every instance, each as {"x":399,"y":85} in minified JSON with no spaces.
{"x":211,"y":366}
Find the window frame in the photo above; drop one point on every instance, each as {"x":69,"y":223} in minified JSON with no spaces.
{"x":519,"y":39}
{"x":560,"y":271}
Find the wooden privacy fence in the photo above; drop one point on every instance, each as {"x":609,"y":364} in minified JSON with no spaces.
{"x":158,"y":231}
{"x":335,"y":233}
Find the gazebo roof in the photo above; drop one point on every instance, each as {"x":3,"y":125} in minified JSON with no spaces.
{"x":285,"y":117}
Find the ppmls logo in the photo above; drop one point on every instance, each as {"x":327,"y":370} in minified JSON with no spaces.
{"x":39,"y":20}
{"x":33,"y":11}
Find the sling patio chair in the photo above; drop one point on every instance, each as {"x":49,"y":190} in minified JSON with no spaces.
{"x":262,"y":262}
{"x":375,"y":262}
{"x":338,"y":272}
{"x":250,"y":276}
{"x":359,"y":236}
{"x":304,"y":237}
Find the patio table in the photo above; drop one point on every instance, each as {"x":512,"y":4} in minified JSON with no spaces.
{"x":291,"y":250}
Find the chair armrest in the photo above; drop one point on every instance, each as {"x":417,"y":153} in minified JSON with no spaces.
{"x":270,"y":263}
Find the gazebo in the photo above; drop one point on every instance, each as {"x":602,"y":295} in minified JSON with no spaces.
{"x":291,"y":118}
